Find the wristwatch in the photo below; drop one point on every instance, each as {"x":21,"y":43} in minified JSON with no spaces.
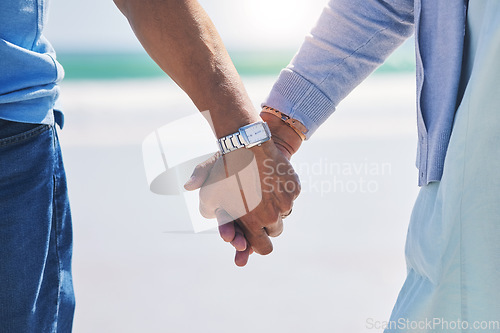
{"x":247,"y":136}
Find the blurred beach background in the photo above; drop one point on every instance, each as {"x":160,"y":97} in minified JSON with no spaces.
{"x":339,"y":264}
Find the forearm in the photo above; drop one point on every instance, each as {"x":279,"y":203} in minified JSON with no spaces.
{"x":180,"y":37}
{"x":351,"y":38}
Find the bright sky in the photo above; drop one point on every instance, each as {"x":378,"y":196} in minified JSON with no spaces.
{"x":97,"y":25}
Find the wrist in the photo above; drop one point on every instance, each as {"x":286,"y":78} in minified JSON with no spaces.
{"x":226,"y":123}
{"x":285,"y":138}
{"x":294,"y":124}
{"x":248,"y":136}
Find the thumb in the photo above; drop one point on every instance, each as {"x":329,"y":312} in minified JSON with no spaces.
{"x":201,"y":173}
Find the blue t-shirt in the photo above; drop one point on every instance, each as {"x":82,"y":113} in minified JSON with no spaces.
{"x":29,"y":71}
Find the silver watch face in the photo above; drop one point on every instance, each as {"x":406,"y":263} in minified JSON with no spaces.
{"x":256,"y":133}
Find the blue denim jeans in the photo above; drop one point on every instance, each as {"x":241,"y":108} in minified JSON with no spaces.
{"x":36,"y":289}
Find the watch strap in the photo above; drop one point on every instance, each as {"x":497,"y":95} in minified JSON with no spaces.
{"x":230,"y":142}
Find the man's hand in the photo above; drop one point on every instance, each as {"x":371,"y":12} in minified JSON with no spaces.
{"x":274,"y":186}
{"x":253,"y":188}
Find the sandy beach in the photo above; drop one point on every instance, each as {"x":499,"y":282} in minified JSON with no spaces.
{"x":338,"y":265}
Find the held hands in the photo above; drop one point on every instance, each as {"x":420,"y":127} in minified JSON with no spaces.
{"x":249,"y":191}
{"x":196,"y":59}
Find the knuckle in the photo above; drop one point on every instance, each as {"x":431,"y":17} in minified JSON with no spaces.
{"x":287,"y":206}
{"x":270,"y":215}
{"x":297,"y":180}
{"x":297,"y":188}
{"x":204,"y":195}
{"x":266,"y":249}
{"x":286,"y":201}
{"x":250,"y":223}
{"x":205,"y":213}
{"x":198,"y":168}
{"x":277,"y":233}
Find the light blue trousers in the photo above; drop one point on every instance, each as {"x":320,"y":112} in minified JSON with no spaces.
{"x":453,"y":244}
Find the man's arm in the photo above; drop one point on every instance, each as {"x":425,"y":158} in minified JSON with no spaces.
{"x":181,"y":39}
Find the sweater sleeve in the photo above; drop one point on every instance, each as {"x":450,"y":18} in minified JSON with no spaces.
{"x":350,"y":40}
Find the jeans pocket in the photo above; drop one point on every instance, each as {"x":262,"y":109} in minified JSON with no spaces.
{"x":14,"y":132}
